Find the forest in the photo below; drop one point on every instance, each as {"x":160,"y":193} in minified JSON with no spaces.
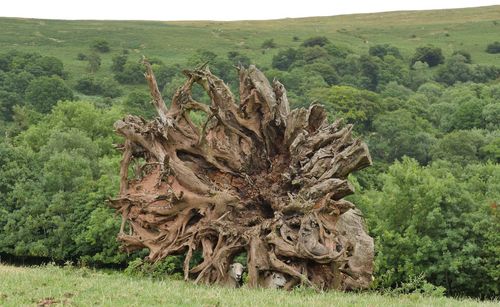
{"x":431,"y":120}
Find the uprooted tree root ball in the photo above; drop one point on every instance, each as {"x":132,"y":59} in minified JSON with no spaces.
{"x":255,"y":178}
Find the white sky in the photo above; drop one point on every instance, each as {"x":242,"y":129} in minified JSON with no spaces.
{"x":214,"y":9}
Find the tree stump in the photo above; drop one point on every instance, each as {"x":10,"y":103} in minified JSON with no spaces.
{"x":256,"y":177}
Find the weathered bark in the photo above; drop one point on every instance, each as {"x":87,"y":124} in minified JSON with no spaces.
{"x":255,"y":178}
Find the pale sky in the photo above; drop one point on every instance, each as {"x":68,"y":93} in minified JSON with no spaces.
{"x":214,"y":9}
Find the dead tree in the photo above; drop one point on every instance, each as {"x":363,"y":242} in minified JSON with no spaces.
{"x":256,"y":177}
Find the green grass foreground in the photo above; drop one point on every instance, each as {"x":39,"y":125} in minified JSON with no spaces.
{"x":52,"y":285}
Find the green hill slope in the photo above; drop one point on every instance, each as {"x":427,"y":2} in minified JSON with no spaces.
{"x":466,"y":29}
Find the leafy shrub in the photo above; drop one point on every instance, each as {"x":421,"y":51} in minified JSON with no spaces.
{"x":132,"y":73}
{"x":138,"y":102}
{"x":45,"y":66}
{"x":493,"y":47}
{"x":315,"y":41}
{"x":110,"y":88}
{"x":171,"y":265}
{"x":268,"y":44}
{"x":382,"y":50}
{"x":89,"y":85}
{"x":465,"y":54}
{"x":418,"y":285}
{"x":284,"y":58}
{"x":44,"y":92}
{"x":94,"y":62}
{"x":438,"y":220}
{"x":101,"y":46}
{"x":118,"y":62}
{"x":236,"y":58}
{"x":454,"y":70}
{"x":81,"y":56}
{"x":428,"y":54}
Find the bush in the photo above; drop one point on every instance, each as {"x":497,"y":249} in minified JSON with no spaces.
{"x":133,"y":73}
{"x":268,"y":44}
{"x":454,"y":70}
{"x":62,"y":169}
{"x":429,"y":54}
{"x":437,"y":220}
{"x":101,"y":46}
{"x":45,"y":66}
{"x":284,"y":59}
{"x":236,"y":58}
{"x":119,"y":62}
{"x":89,"y":85}
{"x":384,"y":49}
{"x":138,"y":103}
{"x":81,"y":56}
{"x":315,"y":41}
{"x":465,"y":54}
{"x":94,"y":62}
{"x":110,"y":88}
{"x":171,"y":265}
{"x":44,"y":92}
{"x":493,"y":47}
{"x":418,"y":284}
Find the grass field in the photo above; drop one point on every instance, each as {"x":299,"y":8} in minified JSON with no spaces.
{"x":51,"y":285}
{"x":468,"y":29}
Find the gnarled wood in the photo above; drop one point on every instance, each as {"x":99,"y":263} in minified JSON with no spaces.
{"x":255,"y":178}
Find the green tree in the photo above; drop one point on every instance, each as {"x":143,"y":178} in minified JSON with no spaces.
{"x":164,"y":74}
{"x":383,"y":50}
{"x":437,"y":222}
{"x":370,"y":71}
{"x":118,"y":62}
{"x":315,"y":41}
{"x":133,"y":73}
{"x":101,"y":45}
{"x":354,"y":105}
{"x":420,"y":74}
{"x":326,"y":71}
{"x":16,"y":82}
{"x":429,"y":54}
{"x":392,"y":69}
{"x":139,"y":103}
{"x":400,"y":133}
{"x":94,"y":62}
{"x":7,"y":102}
{"x":54,"y":183}
{"x":90,"y":85}
{"x":454,"y":70}
{"x":460,"y":147}
{"x":45,"y":66}
{"x":467,"y":56}
{"x":491,"y":116}
{"x":44,"y":92}
{"x":284,"y":58}
{"x":237,"y":58}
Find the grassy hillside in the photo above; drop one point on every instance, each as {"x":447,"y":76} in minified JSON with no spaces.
{"x":466,"y":29}
{"x":83,"y":287}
